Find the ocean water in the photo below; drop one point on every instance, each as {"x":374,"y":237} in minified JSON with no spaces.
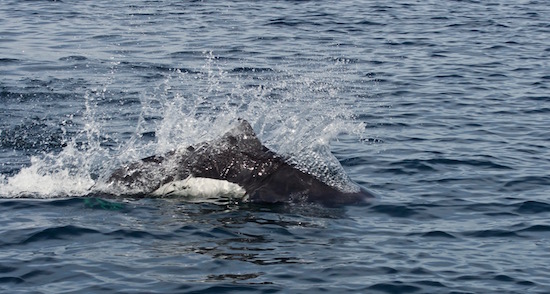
{"x":440,"y":108}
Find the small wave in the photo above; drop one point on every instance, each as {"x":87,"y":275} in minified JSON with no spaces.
{"x":31,"y":95}
{"x":284,"y":22}
{"x":58,"y":233}
{"x":532,"y":207}
{"x":245,"y":69}
{"x":539,"y":98}
{"x":11,"y":280}
{"x":491,"y":233}
{"x":438,"y":234}
{"x":526,"y":183}
{"x":395,"y":287}
{"x":540,"y":110}
{"x":73,"y":58}
{"x":536,"y":228}
{"x":402,"y":211}
{"x":9,"y":60}
{"x":135,"y":234}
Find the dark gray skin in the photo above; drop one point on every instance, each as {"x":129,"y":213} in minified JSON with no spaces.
{"x":238,"y":157}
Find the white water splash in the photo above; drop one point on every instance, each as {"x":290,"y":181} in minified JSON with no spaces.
{"x":50,"y":176}
{"x":296,"y":114}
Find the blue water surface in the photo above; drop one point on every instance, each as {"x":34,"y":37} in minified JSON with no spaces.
{"x":440,"y":108}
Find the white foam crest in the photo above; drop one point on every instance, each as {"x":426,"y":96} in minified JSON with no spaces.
{"x":52,"y":176}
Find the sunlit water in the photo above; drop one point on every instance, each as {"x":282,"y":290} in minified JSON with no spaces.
{"x":440,"y":108}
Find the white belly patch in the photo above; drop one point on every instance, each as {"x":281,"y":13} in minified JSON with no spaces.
{"x":201,"y":188}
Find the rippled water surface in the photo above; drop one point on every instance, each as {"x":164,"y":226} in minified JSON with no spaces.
{"x":440,"y":108}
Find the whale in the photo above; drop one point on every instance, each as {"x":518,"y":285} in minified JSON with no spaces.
{"x":237,"y":165}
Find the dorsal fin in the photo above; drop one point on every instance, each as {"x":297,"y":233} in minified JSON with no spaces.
{"x":242,"y":136}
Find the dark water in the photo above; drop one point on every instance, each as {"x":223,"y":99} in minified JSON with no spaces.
{"x":441,"y":108}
